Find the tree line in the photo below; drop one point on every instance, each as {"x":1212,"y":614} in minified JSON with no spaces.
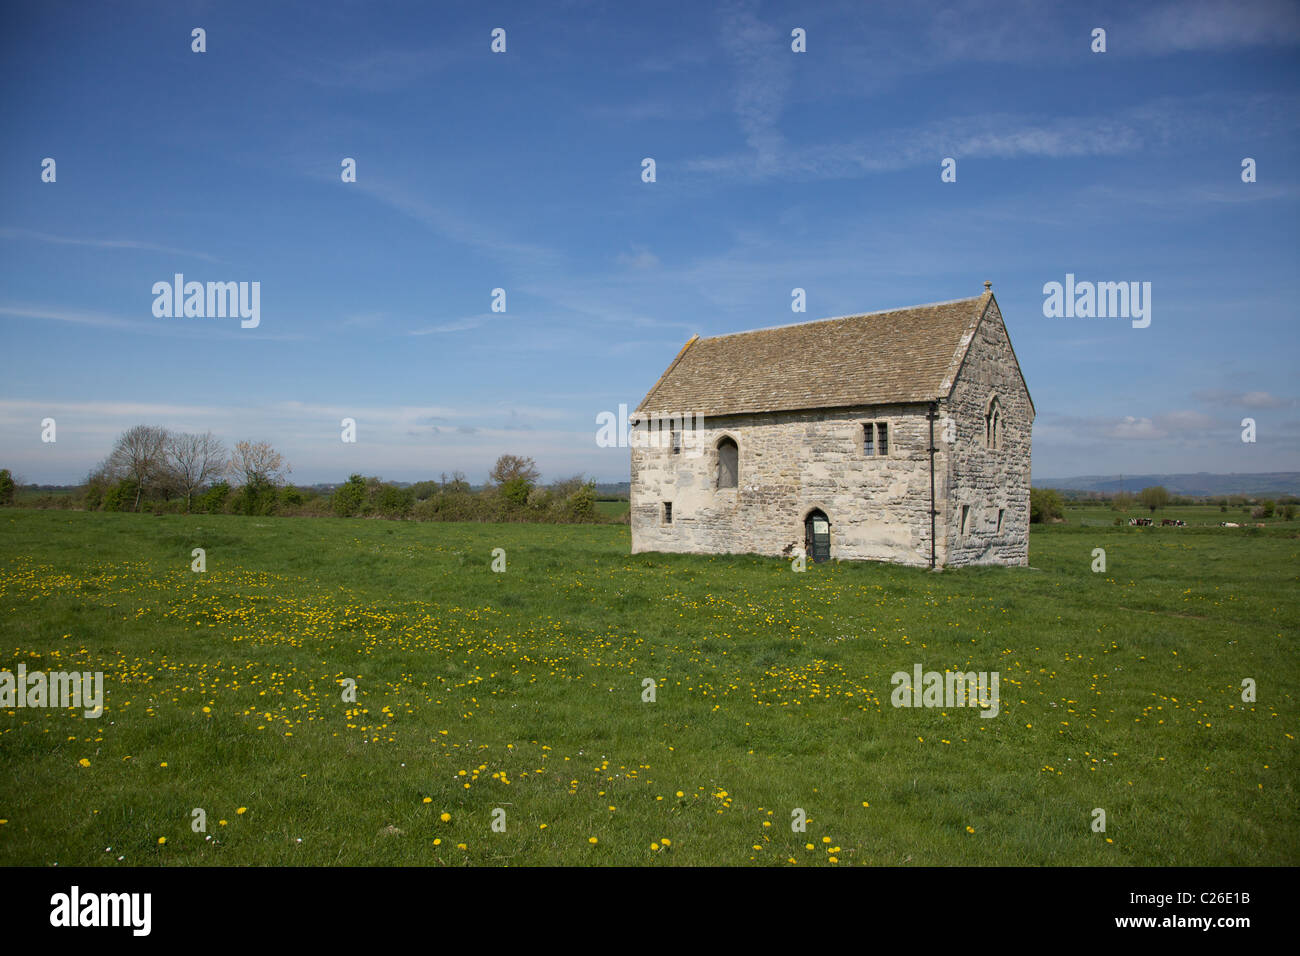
{"x":155,"y":470}
{"x":1048,"y":505}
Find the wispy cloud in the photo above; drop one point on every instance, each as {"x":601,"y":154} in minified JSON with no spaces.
{"x":1192,"y":25}
{"x":1179,"y":424}
{"x":762,"y":82}
{"x":1154,"y":125}
{"x":97,"y":319}
{"x":376,"y":71}
{"x":184,"y":327}
{"x":458,"y":325}
{"x":966,"y":30}
{"x":9,"y":232}
{"x":1256,"y":399}
{"x":639,"y":258}
{"x":470,"y":232}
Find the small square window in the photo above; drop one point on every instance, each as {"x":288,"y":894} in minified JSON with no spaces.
{"x":882,"y":437}
{"x":668,"y":512}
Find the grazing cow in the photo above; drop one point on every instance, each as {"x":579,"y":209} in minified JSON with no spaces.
{"x":1166,"y":522}
{"x":1140,"y":522}
{"x":1229,"y":524}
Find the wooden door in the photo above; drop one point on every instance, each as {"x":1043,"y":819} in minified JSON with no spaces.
{"x":817,"y":536}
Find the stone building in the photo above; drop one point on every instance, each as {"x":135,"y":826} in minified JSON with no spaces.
{"x":893,"y":436}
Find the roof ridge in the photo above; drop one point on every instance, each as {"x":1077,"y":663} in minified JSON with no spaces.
{"x":841,"y":318}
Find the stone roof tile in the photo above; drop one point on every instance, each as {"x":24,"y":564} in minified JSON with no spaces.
{"x":880,"y":358}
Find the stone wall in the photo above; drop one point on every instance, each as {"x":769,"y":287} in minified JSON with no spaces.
{"x":791,"y":463}
{"x":982,"y":479}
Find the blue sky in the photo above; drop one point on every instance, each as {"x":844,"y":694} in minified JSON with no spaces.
{"x":522,"y":171}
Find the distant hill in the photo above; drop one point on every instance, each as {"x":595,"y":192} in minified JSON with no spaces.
{"x":1270,"y":484}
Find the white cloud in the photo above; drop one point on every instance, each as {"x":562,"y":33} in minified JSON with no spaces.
{"x":1253,"y":399}
{"x":1157,"y":124}
{"x":1190,"y":25}
{"x":456,"y":325}
{"x":639,"y":258}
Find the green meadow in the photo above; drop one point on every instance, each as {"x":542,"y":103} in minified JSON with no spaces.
{"x":520,"y":697}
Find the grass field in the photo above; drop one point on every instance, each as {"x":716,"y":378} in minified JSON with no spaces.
{"x":523,"y":691}
{"x":612,"y":509}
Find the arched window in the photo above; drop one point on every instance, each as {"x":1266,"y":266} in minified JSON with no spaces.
{"x":993,"y":424}
{"x":728,"y":463}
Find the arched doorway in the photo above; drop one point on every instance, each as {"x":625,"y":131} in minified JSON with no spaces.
{"x":817,"y":535}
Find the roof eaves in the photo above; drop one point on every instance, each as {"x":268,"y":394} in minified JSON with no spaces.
{"x":963,"y":346}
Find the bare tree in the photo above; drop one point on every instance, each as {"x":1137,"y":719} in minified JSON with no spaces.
{"x":195,"y":460}
{"x":509,"y":467}
{"x":259,"y":464}
{"x":139,"y":455}
{"x":564,"y":487}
